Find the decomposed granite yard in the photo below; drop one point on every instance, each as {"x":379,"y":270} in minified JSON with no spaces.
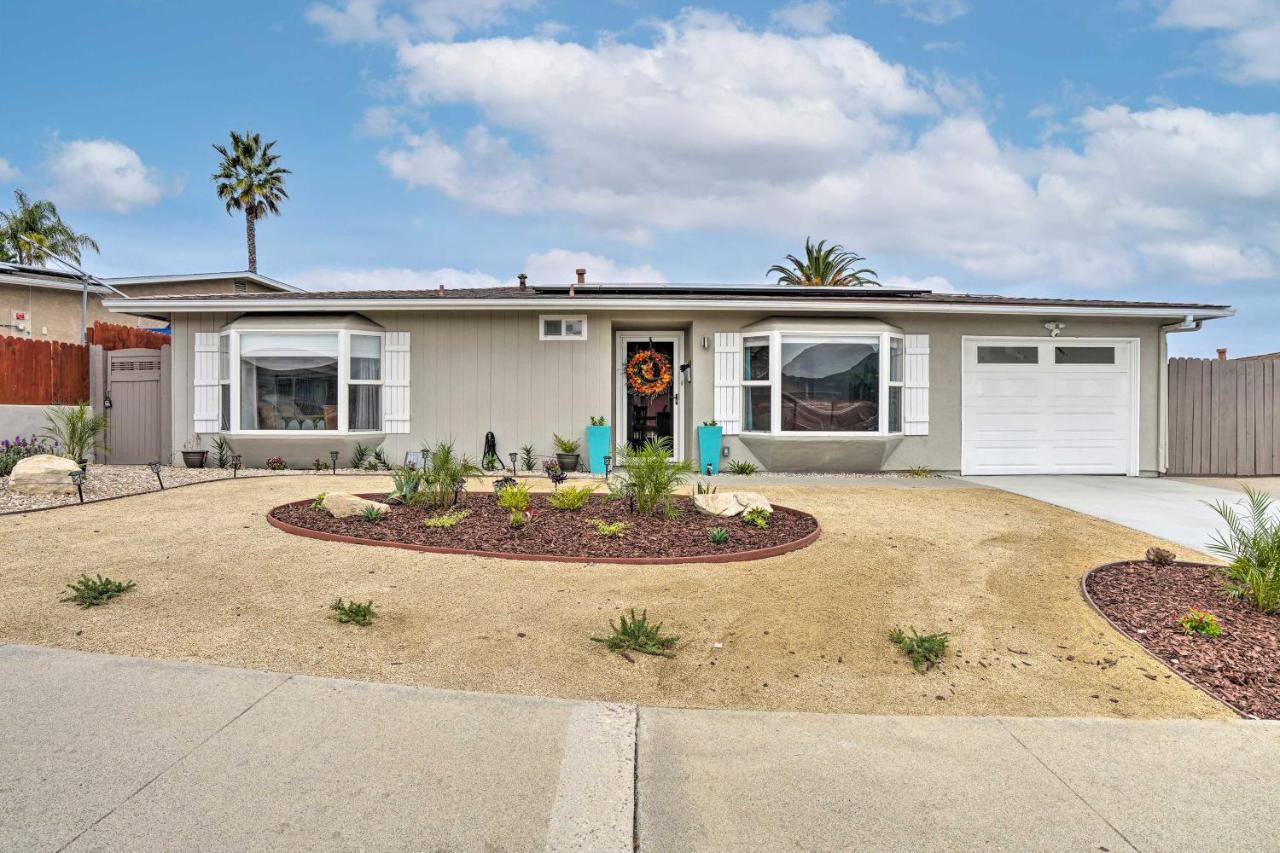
{"x":804,"y":631}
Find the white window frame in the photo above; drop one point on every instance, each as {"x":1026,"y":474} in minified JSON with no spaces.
{"x":769,"y":338}
{"x":775,"y":376}
{"x":562,"y":318}
{"x":344,"y":379}
{"x":225,"y":417}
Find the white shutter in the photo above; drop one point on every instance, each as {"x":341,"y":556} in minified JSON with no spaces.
{"x":728,"y":382}
{"x":395,"y":382}
{"x":915,"y":391}
{"x":207,"y":397}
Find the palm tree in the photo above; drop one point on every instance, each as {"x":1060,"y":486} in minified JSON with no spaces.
{"x":825,"y":266}
{"x":39,"y":222}
{"x":250,"y":180}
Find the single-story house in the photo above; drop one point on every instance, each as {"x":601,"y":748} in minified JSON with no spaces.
{"x":800,"y":379}
{"x":45,"y":304}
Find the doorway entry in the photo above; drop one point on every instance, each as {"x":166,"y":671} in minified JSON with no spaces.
{"x":641,"y":414}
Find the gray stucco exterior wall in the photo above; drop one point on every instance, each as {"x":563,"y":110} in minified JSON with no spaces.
{"x":479,"y":371}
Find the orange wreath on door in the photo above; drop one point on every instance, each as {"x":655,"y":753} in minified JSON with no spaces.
{"x":649,"y":372}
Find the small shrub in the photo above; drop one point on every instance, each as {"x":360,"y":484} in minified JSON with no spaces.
{"x":318,"y":503}
{"x":565,"y":445}
{"x":637,"y":635}
{"x":371,"y":514}
{"x":757,"y":516}
{"x":514,"y":497}
{"x":378,"y":461}
{"x":13,"y":452}
{"x":924,"y":650}
{"x":701,"y":488}
{"x":275,"y":463}
{"x":318,"y":465}
{"x":359,"y":456}
{"x":490,"y":461}
{"x":518,"y":518}
{"x":76,"y":430}
{"x":1160,"y":556}
{"x":354,"y":612}
{"x":92,"y":592}
{"x":718,"y":535}
{"x":1251,"y":544}
{"x":406,"y":486}
{"x":920,"y":471}
{"x":444,"y":475}
{"x":1200,"y":622}
{"x":221,"y":451}
{"x":608,"y":529}
{"x":571,"y":498}
{"x":737,"y":466}
{"x":599,"y":420}
{"x":528,"y":457}
{"x":648,"y":476}
{"x":447,"y":518}
{"x":711,"y":423}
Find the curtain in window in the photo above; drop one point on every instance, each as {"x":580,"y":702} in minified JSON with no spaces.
{"x":288,"y":381}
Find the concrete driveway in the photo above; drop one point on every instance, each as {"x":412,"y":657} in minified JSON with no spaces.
{"x":1171,"y":509}
{"x":113,"y":753}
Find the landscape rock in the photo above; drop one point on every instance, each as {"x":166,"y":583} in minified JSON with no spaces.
{"x":751,"y":500}
{"x":730,"y":504}
{"x":43,"y":475}
{"x":341,"y":504}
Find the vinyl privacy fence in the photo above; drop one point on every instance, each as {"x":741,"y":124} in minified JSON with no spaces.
{"x":1223,"y":417}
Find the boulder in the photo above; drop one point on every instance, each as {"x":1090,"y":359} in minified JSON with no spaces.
{"x":341,"y":504}
{"x":42,"y":475}
{"x":751,"y":500}
{"x":716,"y":504}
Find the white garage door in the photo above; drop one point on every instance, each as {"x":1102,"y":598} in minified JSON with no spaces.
{"x":1049,"y":406}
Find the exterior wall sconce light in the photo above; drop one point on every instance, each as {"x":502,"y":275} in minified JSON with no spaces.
{"x":77,"y":477}
{"x":155,"y":469}
{"x":235,"y":465}
{"x":706,"y":342}
{"x":1055,"y":328}
{"x":686,"y":372}
{"x":333,"y":461}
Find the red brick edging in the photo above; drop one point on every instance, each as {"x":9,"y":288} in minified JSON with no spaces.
{"x":1084,"y":591}
{"x":737,"y":557}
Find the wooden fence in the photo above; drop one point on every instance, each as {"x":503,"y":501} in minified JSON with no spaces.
{"x":1223,"y":417}
{"x":38,"y":373}
{"x":110,"y":336}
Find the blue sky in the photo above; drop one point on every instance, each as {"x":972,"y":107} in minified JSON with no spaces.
{"x":1121,"y":148}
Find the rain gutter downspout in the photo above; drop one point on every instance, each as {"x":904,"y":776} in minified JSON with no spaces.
{"x":1186,"y":324}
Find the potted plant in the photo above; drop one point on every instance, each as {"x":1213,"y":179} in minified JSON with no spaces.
{"x":710,"y":437}
{"x":193,"y":456}
{"x":566,"y":452}
{"x":76,"y":430}
{"x":599,"y":444}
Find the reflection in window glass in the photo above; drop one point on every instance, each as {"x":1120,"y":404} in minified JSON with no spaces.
{"x":895,"y":359}
{"x":551,"y":328}
{"x":1008,"y":355}
{"x":755,"y":361}
{"x":366,"y":357}
{"x":364,"y":407}
{"x":573,"y":328}
{"x":288,"y":381}
{"x":757,"y":408}
{"x":895,"y":408}
{"x":830,"y":385}
{"x":1084,"y":355}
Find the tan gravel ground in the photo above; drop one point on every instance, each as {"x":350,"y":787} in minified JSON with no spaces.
{"x":805,"y":631}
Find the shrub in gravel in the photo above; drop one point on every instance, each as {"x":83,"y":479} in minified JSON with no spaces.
{"x":718,"y":535}
{"x":318,"y":503}
{"x":649,"y":477}
{"x":1251,"y":545}
{"x":1200,"y":622}
{"x":757,"y":516}
{"x":275,"y":463}
{"x":514,"y":497}
{"x":354,"y":612}
{"x":571,"y":498}
{"x":95,"y":591}
{"x":924,"y":650}
{"x":12,"y":452}
{"x":1160,"y":556}
{"x":446,"y":519}
{"x":637,"y":635}
{"x":737,"y":466}
{"x":371,"y":514}
{"x":608,"y":529}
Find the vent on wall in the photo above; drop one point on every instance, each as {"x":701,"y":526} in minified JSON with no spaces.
{"x":122,"y":366}
{"x":241,"y":287}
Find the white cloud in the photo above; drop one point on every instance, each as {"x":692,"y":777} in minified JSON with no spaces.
{"x":712,"y":126}
{"x":811,"y":18}
{"x":102,"y":174}
{"x":931,"y":11}
{"x":382,"y":120}
{"x":374,"y":20}
{"x":1248,"y":33}
{"x":8,"y":171}
{"x":555,"y":266}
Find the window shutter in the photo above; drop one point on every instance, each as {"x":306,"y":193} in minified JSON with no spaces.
{"x":207,"y":398}
{"x":395,"y":382}
{"x":915,"y":391}
{"x":728,"y":382}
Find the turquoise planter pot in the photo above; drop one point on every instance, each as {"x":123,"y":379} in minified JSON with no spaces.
{"x":599,"y":445}
{"x":709,"y":440}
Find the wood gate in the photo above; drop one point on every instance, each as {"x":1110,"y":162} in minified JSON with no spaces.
{"x":1224,"y":417}
{"x":135,"y":394}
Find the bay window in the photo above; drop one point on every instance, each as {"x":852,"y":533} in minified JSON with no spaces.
{"x":823,"y":383}
{"x":312,"y":380}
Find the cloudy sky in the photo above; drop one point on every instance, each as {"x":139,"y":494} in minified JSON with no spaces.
{"x":1098,"y":148}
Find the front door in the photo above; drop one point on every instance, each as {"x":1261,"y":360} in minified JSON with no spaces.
{"x":652,"y":410}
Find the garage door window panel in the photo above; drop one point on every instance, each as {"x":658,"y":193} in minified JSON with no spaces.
{"x":1084,"y":355}
{"x":1008,"y":355}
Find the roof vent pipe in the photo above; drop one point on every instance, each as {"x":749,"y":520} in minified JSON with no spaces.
{"x":582,"y":275}
{"x":440,"y":289}
{"x":1222,"y":353}
{"x":523,"y":280}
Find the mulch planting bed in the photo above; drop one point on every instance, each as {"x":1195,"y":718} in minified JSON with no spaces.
{"x":552,"y":533}
{"x":1241,"y":666}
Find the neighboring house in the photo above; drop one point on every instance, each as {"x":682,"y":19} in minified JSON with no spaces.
{"x":801,"y":379}
{"x":45,"y":304}
{"x":1266,"y":356}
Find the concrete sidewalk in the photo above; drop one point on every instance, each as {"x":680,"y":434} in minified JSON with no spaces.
{"x":109,"y":753}
{"x":1175,"y":510}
